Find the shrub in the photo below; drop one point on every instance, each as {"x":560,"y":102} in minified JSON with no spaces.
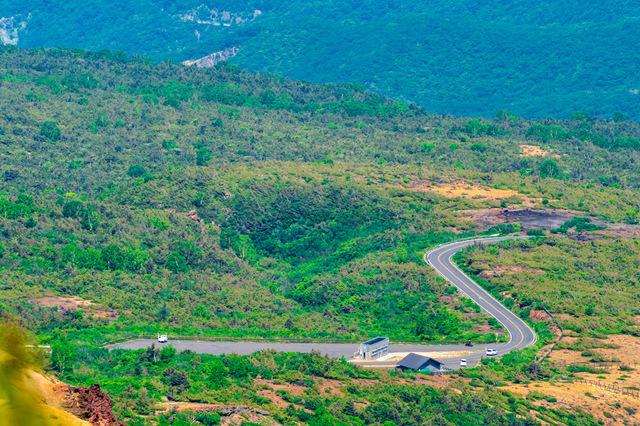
{"x":51,"y":131}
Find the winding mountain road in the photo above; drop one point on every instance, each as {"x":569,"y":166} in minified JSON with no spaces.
{"x":521,"y":334}
{"x":439,"y":258}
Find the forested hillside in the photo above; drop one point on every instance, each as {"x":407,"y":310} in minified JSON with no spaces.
{"x":464,"y":57}
{"x":138,"y":198}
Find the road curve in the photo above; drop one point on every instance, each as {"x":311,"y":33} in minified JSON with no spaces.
{"x":440,"y":259}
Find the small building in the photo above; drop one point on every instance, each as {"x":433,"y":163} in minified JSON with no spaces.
{"x":374,"y":348}
{"x":421,"y":363}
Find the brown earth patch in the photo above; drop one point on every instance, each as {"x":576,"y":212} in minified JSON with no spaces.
{"x":621,"y":231}
{"x":530,"y":219}
{"x":542,"y":316}
{"x":485,"y":328}
{"x":70,"y":405}
{"x":460,"y":188}
{"x":71,"y":303}
{"x":509,"y":270}
{"x":624,"y":348}
{"x":75,"y":303}
{"x":325,"y":386}
{"x":536,"y":151}
{"x":572,"y":396}
{"x":564,"y":317}
{"x":446,"y":300}
{"x":230,"y":414}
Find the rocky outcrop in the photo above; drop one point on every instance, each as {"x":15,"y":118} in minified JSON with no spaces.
{"x":91,"y":404}
{"x":204,"y":15}
{"x":193,"y":215}
{"x":213,"y":59}
{"x":9,"y":28}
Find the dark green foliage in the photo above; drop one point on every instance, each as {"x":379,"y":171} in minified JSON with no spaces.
{"x":76,"y":82}
{"x":176,"y":262}
{"x":464,"y":60}
{"x":73,"y":209}
{"x":50,"y":130}
{"x":505,"y":228}
{"x":579,"y":223}
{"x":203,"y":156}
{"x":136,"y":170}
{"x":619,"y":117}
{"x":549,"y":168}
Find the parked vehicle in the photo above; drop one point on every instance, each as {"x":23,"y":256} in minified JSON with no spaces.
{"x":463,"y":363}
{"x":492,"y":352}
{"x":162,"y":338}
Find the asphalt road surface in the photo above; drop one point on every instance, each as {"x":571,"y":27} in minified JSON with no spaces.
{"x":440,"y":259}
{"x":521,"y":335}
{"x":333,"y":350}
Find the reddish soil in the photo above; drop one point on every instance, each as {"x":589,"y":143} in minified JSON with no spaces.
{"x":91,"y":404}
{"x":72,"y":303}
{"x":230,"y":414}
{"x":75,"y":303}
{"x":591,"y":399}
{"x":542,"y":316}
{"x":509,"y":270}
{"x":85,"y":404}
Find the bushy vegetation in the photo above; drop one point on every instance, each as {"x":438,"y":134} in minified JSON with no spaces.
{"x":591,"y":286}
{"x":139,"y":380}
{"x":223,"y":203}
{"x":459,"y":58}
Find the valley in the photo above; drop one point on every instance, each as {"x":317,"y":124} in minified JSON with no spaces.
{"x":141,"y":198}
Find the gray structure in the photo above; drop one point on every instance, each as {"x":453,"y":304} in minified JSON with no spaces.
{"x":420,"y":363}
{"x":374,"y":348}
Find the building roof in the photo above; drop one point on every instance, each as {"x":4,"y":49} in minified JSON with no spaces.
{"x":416,"y":362}
{"x":375,"y":340}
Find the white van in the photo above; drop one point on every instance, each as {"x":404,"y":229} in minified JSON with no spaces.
{"x":162,"y":338}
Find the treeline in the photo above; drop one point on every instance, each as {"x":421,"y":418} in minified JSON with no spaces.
{"x":104,"y":119}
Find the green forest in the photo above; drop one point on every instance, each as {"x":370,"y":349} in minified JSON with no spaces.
{"x":465,"y":57}
{"x":226,"y":203}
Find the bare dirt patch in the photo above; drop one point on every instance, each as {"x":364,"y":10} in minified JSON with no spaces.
{"x":530,"y":219}
{"x":624,"y":348}
{"x":542,"y":316}
{"x":460,"y":188}
{"x":230,"y":414}
{"x":75,"y":303}
{"x":591,"y":399}
{"x":509,"y":270}
{"x":271,"y":390}
{"x":71,"y":303}
{"x":536,"y":151}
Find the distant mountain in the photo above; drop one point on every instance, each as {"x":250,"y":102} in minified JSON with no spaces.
{"x":463,"y":57}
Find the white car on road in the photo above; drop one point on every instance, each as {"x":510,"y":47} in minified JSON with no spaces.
{"x":162,"y":338}
{"x":492,"y":352}
{"x":463,"y":363}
